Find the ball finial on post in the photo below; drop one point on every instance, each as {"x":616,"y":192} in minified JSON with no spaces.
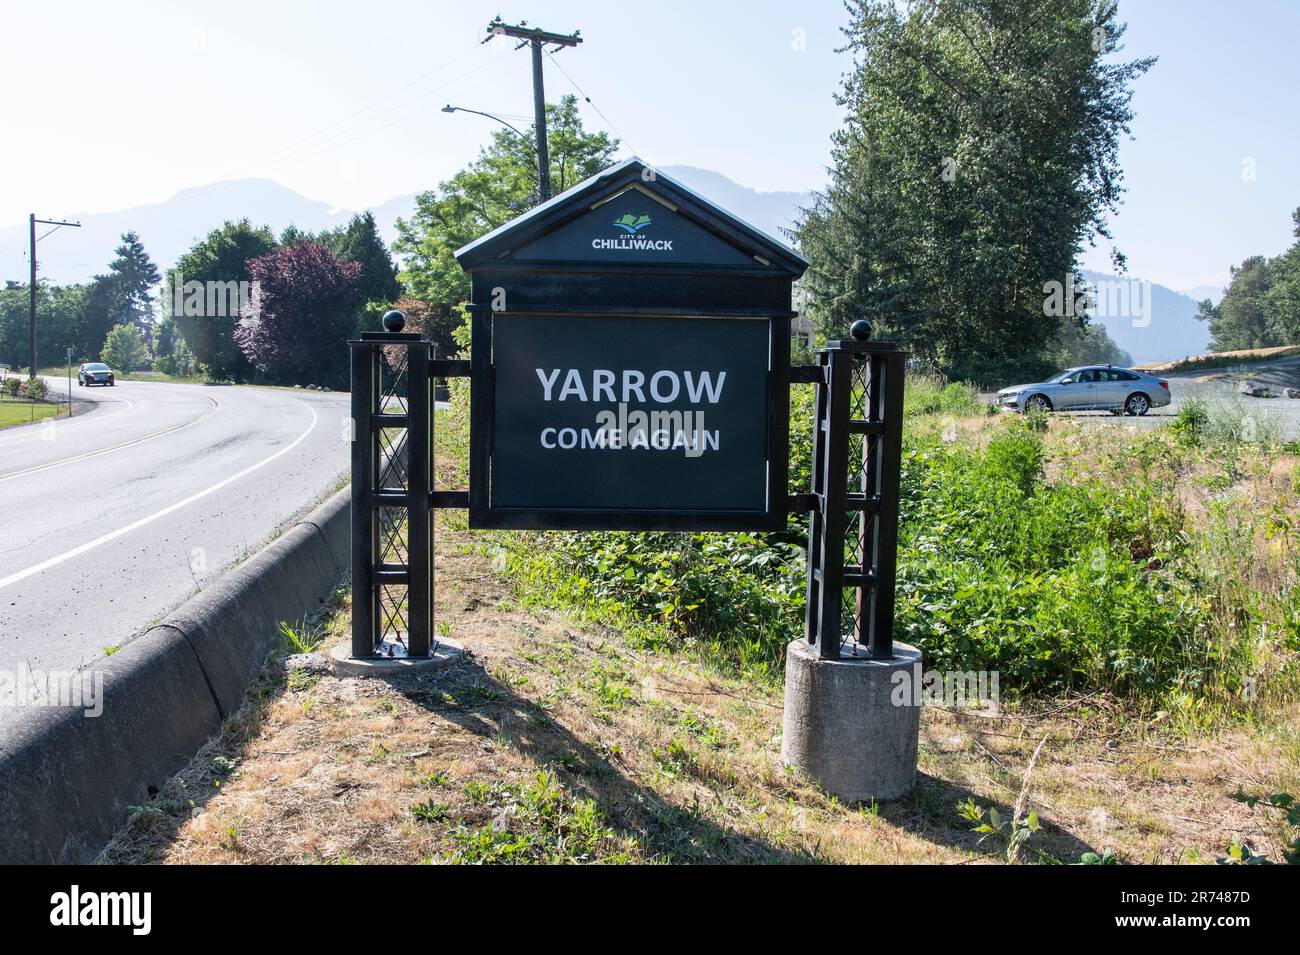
{"x":861,"y":330}
{"x":394,"y":321}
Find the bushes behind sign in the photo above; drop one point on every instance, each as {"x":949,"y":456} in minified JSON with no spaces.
{"x":1095,"y":581}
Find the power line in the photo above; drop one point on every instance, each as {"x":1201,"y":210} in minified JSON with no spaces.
{"x":376,"y":102}
{"x":216,"y":188}
{"x":587,"y":100}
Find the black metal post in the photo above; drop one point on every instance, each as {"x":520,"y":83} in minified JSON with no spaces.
{"x":834,"y":463}
{"x":364,"y":388}
{"x":816,"y":531}
{"x":877,"y":368}
{"x":419,"y":529}
{"x":885,"y":468}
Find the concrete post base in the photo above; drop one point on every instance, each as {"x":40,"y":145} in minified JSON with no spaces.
{"x":842,"y":727}
{"x":344,"y":664}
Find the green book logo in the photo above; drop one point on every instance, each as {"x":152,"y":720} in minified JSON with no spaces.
{"x":630,"y":223}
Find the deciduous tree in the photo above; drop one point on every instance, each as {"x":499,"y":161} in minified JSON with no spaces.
{"x":124,"y":349}
{"x":295,"y":328}
{"x":496,"y":187}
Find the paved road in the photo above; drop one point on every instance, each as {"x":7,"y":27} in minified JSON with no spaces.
{"x":110,"y":520}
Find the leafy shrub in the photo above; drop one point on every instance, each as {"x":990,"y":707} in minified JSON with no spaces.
{"x":1050,"y":584}
{"x":35,"y":389}
{"x":10,"y":386}
{"x":124,"y":349}
{"x":1036,"y":420}
{"x":931,"y":393}
{"x":1016,"y":456}
{"x":1192,"y":422}
{"x":740,"y":593}
{"x":1085,"y":582}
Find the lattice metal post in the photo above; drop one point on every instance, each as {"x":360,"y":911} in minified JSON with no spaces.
{"x":834,"y":466}
{"x":392,"y":541}
{"x":419,"y":598}
{"x":856,"y":457}
{"x":365,"y":377}
{"x":881,"y":473}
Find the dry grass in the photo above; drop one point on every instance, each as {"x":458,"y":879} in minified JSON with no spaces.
{"x":654,"y":758}
{"x":1217,"y":359}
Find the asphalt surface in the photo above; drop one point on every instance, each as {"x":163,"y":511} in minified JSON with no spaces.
{"x":111,"y":519}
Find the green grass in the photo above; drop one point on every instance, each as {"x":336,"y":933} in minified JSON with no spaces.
{"x":536,"y":821}
{"x":14,"y":412}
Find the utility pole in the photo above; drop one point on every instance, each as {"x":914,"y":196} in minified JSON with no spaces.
{"x":31,"y":323}
{"x":537,"y":38}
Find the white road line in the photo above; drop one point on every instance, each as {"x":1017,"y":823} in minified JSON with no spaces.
{"x":116,"y":447}
{"x":30,"y":432}
{"x":157,"y":515}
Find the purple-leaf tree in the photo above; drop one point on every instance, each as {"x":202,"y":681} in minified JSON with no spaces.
{"x":295,"y":325}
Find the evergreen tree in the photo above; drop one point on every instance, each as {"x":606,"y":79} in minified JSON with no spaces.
{"x":292,"y":235}
{"x":134,"y":277}
{"x":359,"y":242}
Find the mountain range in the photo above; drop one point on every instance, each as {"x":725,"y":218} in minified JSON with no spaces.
{"x":1152,"y":326}
{"x":169,"y":228}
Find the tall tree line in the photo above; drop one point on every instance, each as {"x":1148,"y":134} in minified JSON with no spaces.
{"x":978,"y":157}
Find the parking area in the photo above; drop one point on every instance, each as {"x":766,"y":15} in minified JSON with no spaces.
{"x":1220,"y":388}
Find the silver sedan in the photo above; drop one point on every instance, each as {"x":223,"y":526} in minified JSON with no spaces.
{"x":1090,"y":388}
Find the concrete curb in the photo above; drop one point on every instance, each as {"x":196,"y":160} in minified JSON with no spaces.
{"x":68,"y":779}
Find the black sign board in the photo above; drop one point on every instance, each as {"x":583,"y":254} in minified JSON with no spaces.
{"x":630,"y":362}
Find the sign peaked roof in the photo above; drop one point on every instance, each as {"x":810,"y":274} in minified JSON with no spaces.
{"x":631,"y":213}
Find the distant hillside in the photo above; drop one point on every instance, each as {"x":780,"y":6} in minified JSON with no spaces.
{"x":1165,"y":331}
{"x":773,"y":212}
{"x":169,"y":228}
{"x":1213,"y":292}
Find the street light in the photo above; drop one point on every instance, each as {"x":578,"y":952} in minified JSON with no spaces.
{"x":461,"y":109}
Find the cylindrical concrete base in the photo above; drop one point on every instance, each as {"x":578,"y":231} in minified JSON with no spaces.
{"x":849,"y":724}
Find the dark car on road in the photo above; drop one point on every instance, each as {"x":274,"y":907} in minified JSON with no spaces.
{"x":95,"y":373}
{"x":1091,"y":388}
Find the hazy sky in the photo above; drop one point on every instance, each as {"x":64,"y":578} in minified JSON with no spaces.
{"x":112,"y":105}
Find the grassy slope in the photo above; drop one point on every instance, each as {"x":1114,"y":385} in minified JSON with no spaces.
{"x":557,"y":741}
